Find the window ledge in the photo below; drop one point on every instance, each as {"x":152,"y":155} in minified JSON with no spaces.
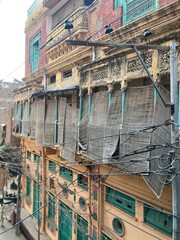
{"x":156,"y":231}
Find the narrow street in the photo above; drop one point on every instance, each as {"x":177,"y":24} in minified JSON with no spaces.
{"x":10,"y":235}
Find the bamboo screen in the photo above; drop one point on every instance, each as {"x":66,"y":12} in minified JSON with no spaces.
{"x":113,"y":124}
{"x":97,"y":126}
{"x":39,"y":133}
{"x":161,"y":136}
{"x":50,"y":118}
{"x":138,"y":113}
{"x":17,"y":116}
{"x":69,"y":146}
{"x":61,"y":119}
{"x":32,"y":120}
{"x":83,"y":124}
{"x":25,"y":120}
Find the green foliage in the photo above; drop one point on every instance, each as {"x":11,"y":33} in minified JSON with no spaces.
{"x":4,"y":148}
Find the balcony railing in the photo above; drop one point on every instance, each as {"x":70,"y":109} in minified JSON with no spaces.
{"x":59,"y":34}
{"x":25,"y":92}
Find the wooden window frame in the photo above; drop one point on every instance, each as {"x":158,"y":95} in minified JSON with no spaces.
{"x":81,"y":182}
{"x":51,"y":206}
{"x":66,"y":173}
{"x":158,"y":220}
{"x":52,"y":166}
{"x":28,"y":155}
{"x":120,"y":200}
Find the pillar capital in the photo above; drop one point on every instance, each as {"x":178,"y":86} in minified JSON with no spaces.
{"x":110,"y":88}
{"x":90,"y":91}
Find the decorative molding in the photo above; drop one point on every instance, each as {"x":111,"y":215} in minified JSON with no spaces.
{"x":134,"y":64}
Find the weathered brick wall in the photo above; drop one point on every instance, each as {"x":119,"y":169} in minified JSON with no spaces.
{"x":163,"y":3}
{"x":102,"y":14}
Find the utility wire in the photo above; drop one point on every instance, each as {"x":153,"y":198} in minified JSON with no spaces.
{"x":54,"y":197}
{"x":116,"y":216}
{"x":54,"y":173}
{"x":148,"y":129}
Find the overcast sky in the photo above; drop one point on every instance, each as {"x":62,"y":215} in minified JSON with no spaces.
{"x":13,"y":14}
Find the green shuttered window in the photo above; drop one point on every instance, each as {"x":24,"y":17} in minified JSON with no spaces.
{"x":37,"y":158}
{"x":28,"y":155}
{"x":51,"y":206}
{"x":120,"y":200}
{"x":157,"y":219}
{"x":66,"y":173}
{"x":117,"y":3}
{"x":134,"y":9}
{"x":52,"y":166}
{"x":83,"y":182}
{"x":35,"y":51}
{"x":28,"y":187}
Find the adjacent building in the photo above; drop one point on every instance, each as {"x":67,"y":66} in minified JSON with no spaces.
{"x":95,"y":133}
{"x":6,"y":108}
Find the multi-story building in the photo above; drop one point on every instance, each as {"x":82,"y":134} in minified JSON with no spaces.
{"x":94,"y":131}
{"x":6,"y":107}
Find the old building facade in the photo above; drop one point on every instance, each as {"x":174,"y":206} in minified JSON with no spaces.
{"x":6,"y":111}
{"x":94,"y":131}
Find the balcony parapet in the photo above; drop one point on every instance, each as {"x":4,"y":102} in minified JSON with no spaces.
{"x":24,"y":93}
{"x":123,"y":67}
{"x":34,"y":15}
{"x":56,"y":39}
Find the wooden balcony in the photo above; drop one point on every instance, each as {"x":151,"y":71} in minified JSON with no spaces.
{"x":118,"y":68}
{"x":57,"y":46}
{"x":25,"y":92}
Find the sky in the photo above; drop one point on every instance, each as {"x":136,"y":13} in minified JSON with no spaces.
{"x":13,"y":14}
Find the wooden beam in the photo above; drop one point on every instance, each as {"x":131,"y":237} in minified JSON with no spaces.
{"x":118,"y":45}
